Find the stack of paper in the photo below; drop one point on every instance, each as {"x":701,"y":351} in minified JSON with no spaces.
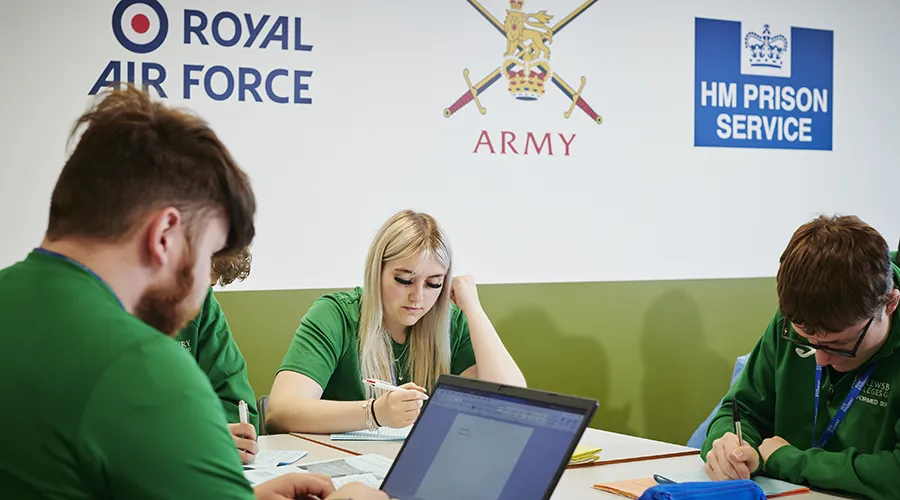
{"x":630,"y":488}
{"x":381,"y":434}
{"x":271,"y":464}
{"x":275,"y":458}
{"x":368,"y":469}
{"x":259,"y":476}
{"x":585,"y":455}
{"x":368,"y":479}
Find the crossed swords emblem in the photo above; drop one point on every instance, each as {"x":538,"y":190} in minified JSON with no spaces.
{"x":492,"y":77}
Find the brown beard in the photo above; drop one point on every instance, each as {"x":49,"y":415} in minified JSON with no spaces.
{"x":164,"y":306}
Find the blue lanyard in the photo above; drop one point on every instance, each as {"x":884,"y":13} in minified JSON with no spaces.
{"x":842,"y":412}
{"x":82,"y":266}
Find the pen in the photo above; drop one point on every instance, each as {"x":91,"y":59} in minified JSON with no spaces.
{"x":736,"y":416}
{"x":245,"y":417}
{"x":242,"y":410}
{"x":384,"y":386}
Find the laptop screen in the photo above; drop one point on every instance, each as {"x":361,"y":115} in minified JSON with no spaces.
{"x":478,"y":445}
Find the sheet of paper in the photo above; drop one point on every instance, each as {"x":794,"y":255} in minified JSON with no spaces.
{"x":376,"y":465}
{"x":772,"y":487}
{"x":274,"y":458}
{"x":367,"y":479}
{"x":258,"y":476}
{"x":332,"y":468}
{"x":381,"y":434}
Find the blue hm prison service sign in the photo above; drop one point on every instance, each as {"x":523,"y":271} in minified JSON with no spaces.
{"x":761,"y":85}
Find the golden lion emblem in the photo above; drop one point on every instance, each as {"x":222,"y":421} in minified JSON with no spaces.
{"x":517,"y":34}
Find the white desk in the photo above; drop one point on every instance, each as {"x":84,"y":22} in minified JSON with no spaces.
{"x":620,"y":447}
{"x":574,"y":484}
{"x":616,"y":447}
{"x":315,"y":451}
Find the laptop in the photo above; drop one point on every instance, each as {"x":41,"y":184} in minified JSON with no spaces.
{"x":477,"y":440}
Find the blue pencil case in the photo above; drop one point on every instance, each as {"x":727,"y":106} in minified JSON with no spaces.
{"x":732,"y":490}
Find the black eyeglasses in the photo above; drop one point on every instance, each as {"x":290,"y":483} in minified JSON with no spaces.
{"x":785,"y":334}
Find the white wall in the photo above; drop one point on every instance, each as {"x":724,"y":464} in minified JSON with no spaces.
{"x":634,"y":200}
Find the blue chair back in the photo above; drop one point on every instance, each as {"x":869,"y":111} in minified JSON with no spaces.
{"x":696,"y":440}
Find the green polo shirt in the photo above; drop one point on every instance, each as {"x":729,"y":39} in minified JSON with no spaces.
{"x":325,"y":347}
{"x":97,"y":403}
{"x":208,"y":340}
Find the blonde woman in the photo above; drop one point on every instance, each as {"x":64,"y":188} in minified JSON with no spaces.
{"x":410,"y":323}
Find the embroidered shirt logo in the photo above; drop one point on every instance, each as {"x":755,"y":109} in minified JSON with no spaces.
{"x":876,"y":393}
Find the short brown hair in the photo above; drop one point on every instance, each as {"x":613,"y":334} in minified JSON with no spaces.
{"x":835,"y":272}
{"x":137,"y":155}
{"x":228,"y":268}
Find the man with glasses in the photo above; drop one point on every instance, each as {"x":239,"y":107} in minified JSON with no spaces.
{"x":815,"y":398}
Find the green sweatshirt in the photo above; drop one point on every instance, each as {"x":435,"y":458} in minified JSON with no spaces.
{"x":777,"y":390}
{"x":208,"y":339}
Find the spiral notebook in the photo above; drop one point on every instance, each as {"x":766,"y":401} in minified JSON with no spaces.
{"x":381,"y":434}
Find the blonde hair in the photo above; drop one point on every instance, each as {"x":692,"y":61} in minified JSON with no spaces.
{"x":405,"y":235}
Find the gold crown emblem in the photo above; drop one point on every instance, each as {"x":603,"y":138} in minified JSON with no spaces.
{"x":526,"y":84}
{"x":516,"y":4}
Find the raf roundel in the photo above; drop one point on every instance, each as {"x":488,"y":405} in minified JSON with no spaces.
{"x":140,"y":26}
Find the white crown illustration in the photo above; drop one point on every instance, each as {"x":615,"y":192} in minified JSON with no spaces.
{"x":765,"y":49}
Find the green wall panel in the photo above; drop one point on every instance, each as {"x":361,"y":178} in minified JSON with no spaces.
{"x":657,"y":355}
